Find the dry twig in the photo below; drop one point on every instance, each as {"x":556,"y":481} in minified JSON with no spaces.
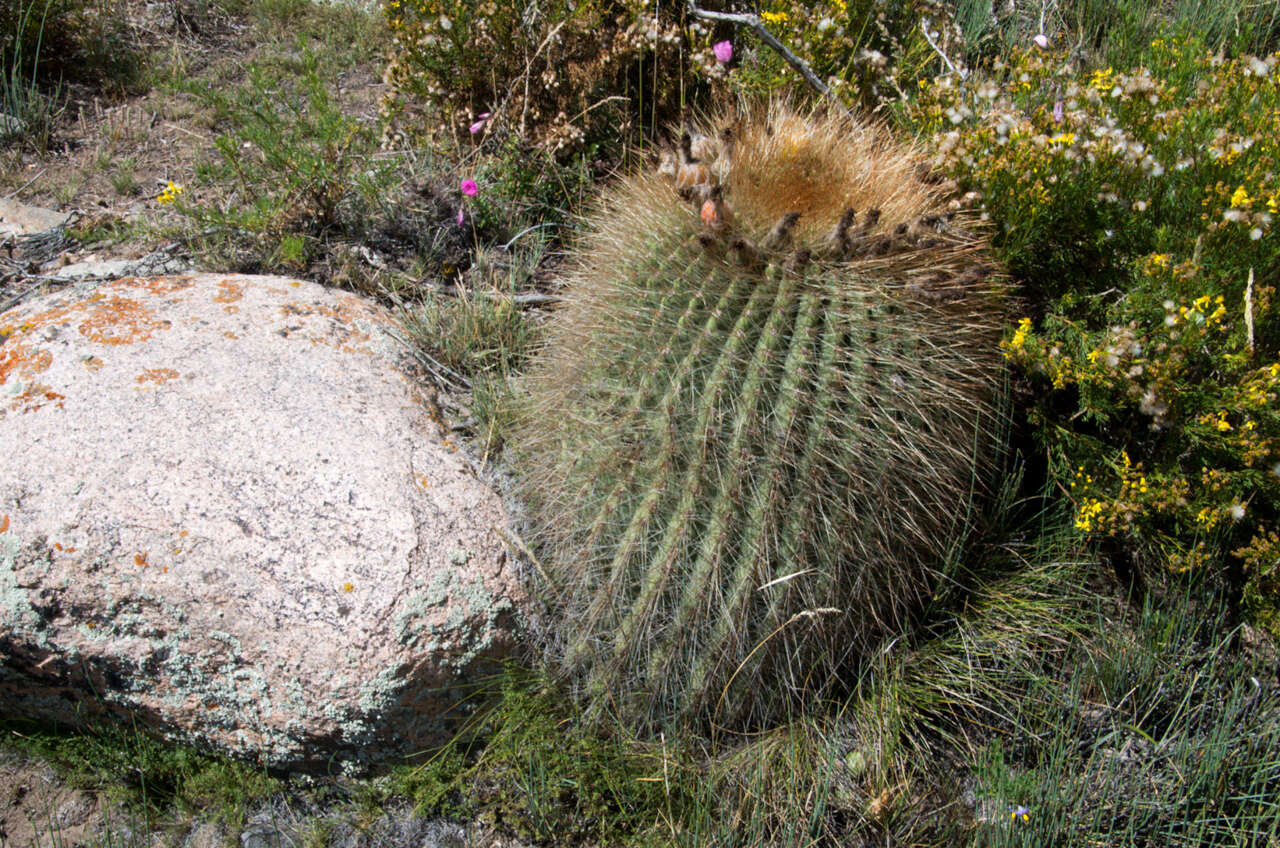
{"x":757,"y":26}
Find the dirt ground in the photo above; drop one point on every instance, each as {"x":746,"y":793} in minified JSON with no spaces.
{"x":37,"y":807}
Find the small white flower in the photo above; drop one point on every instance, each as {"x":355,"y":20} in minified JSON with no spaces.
{"x":1042,"y":41}
{"x":1237,"y":511}
{"x":1255,"y":233}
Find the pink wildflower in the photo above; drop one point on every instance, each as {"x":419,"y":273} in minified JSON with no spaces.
{"x":1057,"y":111}
{"x":1042,"y":41}
{"x":723,"y":51}
{"x":469,"y":188}
{"x":461,"y":217}
{"x":481,"y":120}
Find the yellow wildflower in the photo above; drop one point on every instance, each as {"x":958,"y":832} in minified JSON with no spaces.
{"x":774,"y":17}
{"x":1089,"y":510}
{"x":1019,"y":339}
{"x":1240,"y":199}
{"x":170,"y":193}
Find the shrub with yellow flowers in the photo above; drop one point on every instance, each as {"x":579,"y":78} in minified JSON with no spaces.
{"x":1137,"y":208}
{"x":868,"y":51}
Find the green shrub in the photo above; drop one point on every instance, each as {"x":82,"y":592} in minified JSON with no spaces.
{"x":869,"y":51}
{"x":292,"y":171}
{"x":88,"y":41}
{"x":26,"y":112}
{"x":1116,"y":32}
{"x":1137,"y":210}
{"x":140,"y":769}
{"x":750,"y":446}
{"x":529,"y":767}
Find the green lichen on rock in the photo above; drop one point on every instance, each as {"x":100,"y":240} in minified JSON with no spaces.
{"x":760,"y":421}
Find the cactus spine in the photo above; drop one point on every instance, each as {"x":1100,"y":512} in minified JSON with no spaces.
{"x":757,"y":419}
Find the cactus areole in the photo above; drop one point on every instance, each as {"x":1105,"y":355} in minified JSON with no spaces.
{"x":761,"y":421}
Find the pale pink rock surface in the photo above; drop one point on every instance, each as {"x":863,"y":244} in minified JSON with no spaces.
{"x":225,"y":508}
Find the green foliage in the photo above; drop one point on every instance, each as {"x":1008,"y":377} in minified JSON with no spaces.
{"x":528,"y":766}
{"x":342,"y":34}
{"x":1162,"y":735}
{"x":480,"y":335}
{"x":744,"y":465}
{"x":870,"y":51}
{"x":26,"y":113}
{"x":481,"y":332}
{"x":1107,"y":724}
{"x":1141,"y":224}
{"x":522,"y":187}
{"x":1117,"y":33}
{"x":89,"y":41}
{"x":292,"y":171}
{"x":143,"y":769}
{"x":123,"y":179}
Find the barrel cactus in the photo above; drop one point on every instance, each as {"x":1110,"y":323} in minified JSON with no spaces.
{"x":760,"y":419}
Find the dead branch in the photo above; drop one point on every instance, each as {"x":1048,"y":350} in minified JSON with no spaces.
{"x":757,"y":26}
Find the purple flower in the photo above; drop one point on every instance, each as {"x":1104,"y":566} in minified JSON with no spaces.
{"x":481,"y":120}
{"x":469,"y":188}
{"x":1021,"y":812}
{"x":1057,"y":111}
{"x":461,"y":217}
{"x":723,"y":51}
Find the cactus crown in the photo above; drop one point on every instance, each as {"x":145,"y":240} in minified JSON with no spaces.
{"x":758,"y":420}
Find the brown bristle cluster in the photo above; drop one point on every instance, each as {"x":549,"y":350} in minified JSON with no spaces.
{"x":803,"y":181}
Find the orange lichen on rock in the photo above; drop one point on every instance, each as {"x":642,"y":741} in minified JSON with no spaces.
{"x":33,"y":397}
{"x":229,"y":291}
{"x":342,"y":333}
{"x":119,"y":321}
{"x":159,"y":376}
{"x":159,"y":285}
{"x":4,"y":524}
{"x":22,"y":361}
